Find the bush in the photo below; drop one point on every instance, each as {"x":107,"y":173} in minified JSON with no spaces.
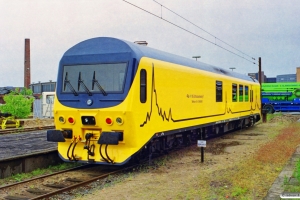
{"x":18,"y":103}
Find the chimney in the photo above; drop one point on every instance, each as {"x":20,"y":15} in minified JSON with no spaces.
{"x":27,"y":64}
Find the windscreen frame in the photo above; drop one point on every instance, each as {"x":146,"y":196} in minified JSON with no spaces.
{"x":73,"y":76}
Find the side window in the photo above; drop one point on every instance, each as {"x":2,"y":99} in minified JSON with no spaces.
{"x":219,"y":91}
{"x":251,"y":95}
{"x":143,"y":85}
{"x":246,"y":93}
{"x":234,"y":92}
{"x":241,"y":93}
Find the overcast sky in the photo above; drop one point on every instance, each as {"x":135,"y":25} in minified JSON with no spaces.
{"x":269,"y":29}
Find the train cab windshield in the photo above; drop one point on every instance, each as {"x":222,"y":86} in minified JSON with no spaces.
{"x":94,"y":78}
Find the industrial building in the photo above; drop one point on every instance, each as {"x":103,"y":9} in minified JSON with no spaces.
{"x":39,"y":88}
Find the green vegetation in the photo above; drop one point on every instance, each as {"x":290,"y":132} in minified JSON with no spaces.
{"x":238,"y":191}
{"x":271,"y":116}
{"x":295,"y":186}
{"x":18,"y":103}
{"x":297,"y":171}
{"x":38,"y":172}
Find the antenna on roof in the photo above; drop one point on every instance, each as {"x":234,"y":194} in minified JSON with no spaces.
{"x":144,"y":43}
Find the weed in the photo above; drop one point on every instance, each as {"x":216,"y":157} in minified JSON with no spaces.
{"x":278,"y":169}
{"x":293,"y":188}
{"x":271,"y":116}
{"x":237,"y":191}
{"x":297,"y":170}
{"x":17,"y":177}
{"x":38,"y":172}
{"x":285,"y":180}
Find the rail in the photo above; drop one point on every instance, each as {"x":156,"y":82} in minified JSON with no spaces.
{"x":46,"y":190}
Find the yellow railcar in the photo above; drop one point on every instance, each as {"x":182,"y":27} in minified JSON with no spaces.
{"x":116,"y":100}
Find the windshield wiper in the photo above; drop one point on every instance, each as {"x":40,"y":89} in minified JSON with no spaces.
{"x":84,"y":86}
{"x":98,"y":85}
{"x":67,"y":83}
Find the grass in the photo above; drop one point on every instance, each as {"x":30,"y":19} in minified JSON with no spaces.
{"x":297,"y":171}
{"x":38,"y":172}
{"x":271,"y":116}
{"x":296,"y":186}
{"x":255,"y":175}
{"x":238,"y":191}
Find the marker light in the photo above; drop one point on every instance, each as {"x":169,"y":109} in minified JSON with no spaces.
{"x":71,"y":120}
{"x":61,"y":119}
{"x":109,"y":121}
{"x":119,"y":120}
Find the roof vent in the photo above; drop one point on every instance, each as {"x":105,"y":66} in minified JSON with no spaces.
{"x":144,"y":43}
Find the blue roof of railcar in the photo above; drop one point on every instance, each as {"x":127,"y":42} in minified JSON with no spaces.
{"x":107,"y":45}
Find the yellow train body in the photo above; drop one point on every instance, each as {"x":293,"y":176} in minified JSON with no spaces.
{"x":177,"y":99}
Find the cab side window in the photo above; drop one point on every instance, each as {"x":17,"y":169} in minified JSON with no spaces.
{"x":143,"y":85}
{"x":219,"y":91}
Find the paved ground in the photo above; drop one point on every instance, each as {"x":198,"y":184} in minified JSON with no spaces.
{"x":14,"y":145}
{"x":277,"y":189}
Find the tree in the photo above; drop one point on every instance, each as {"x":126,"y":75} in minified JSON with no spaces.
{"x":18,"y":103}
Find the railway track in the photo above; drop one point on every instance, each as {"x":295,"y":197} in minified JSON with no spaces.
{"x":49,"y":185}
{"x":65,"y":181}
{"x":62,"y":182}
{"x":22,"y":130}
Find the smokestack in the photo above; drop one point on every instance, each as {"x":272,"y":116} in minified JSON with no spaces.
{"x":27,"y":64}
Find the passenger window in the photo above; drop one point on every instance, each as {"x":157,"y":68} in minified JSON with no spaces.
{"x":234,"y":92}
{"x":143,"y":85}
{"x":219,"y":91}
{"x":241,"y":93}
{"x":246,"y":93}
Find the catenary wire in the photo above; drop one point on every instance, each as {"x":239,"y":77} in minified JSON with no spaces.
{"x":189,"y":31}
{"x":202,"y":29}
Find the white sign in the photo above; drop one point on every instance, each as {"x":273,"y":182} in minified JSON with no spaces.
{"x":291,"y":195}
{"x":201,"y":143}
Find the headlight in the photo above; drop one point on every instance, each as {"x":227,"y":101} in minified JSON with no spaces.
{"x":61,"y":119}
{"x":89,"y":102}
{"x":119,"y":120}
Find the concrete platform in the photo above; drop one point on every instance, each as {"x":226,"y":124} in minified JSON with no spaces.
{"x":18,"y":144}
{"x":24,"y":152}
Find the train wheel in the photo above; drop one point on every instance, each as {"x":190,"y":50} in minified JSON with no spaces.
{"x":268,"y":108}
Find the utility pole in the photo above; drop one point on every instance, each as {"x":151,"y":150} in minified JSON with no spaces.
{"x":259,"y":70}
{"x":262,"y":112}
